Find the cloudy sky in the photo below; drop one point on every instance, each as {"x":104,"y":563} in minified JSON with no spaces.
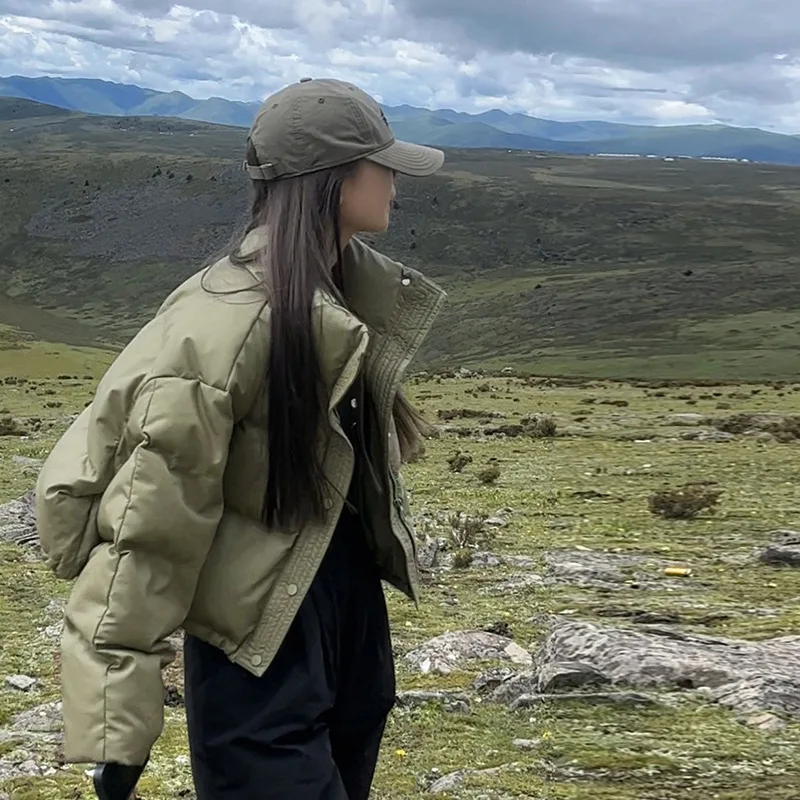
{"x":652,"y":61}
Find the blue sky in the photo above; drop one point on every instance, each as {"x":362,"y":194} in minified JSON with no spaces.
{"x":649,"y":61}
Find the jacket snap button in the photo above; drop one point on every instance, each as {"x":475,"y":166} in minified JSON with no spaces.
{"x":406,"y":281}
{"x":256,"y":660}
{"x":291,"y":590}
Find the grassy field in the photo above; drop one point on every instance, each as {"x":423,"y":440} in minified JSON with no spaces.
{"x":587,"y":487}
{"x":555,"y":265}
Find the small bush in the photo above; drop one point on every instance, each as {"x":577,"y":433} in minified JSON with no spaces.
{"x":10,"y":427}
{"x":459,"y":461}
{"x":684,"y":503}
{"x":490,"y":475}
{"x":540,"y":427}
{"x":466,"y":530}
{"x":463,"y":558}
{"x":448,"y":414}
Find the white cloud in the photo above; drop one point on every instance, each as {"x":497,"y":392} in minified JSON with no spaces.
{"x":656,"y":61}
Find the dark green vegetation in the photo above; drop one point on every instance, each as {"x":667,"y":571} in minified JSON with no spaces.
{"x":587,"y":487}
{"x":555,"y":265}
{"x":441,"y":127}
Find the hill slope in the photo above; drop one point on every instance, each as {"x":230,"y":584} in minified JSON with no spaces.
{"x":442,"y":127}
{"x":555,"y":264}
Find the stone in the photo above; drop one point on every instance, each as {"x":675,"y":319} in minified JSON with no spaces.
{"x":623,"y":698}
{"x":749,"y":677}
{"x":453,"y":781}
{"x":22,"y":683}
{"x":559,"y":677}
{"x":481,"y":559}
{"x":448,"y":783}
{"x":450,"y":701}
{"x":456,"y":649}
{"x":488,"y":681}
{"x":707,"y":436}
{"x":596,"y":570}
{"x":28,"y":463}
{"x":515,"y":584}
{"x":43,"y":720}
{"x":18,"y":522}
{"x":36,"y":731}
{"x":787,"y":555}
{"x":496,"y":522}
{"x":515,"y":686}
{"x":526,"y":744}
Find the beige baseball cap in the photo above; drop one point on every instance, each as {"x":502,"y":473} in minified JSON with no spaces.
{"x":318,"y":124}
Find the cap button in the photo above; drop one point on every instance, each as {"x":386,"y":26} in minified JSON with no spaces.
{"x":305,"y":80}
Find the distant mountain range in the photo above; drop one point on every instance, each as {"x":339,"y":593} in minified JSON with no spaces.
{"x":440,"y":127}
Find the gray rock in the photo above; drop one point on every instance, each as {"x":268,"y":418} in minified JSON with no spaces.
{"x":454,"y":780}
{"x":456,"y":649}
{"x":514,"y":687}
{"x":595,"y":569}
{"x":496,"y":522}
{"x":624,"y":698}
{"x":765,"y":693}
{"x":448,"y":783}
{"x":451,"y":701}
{"x":559,"y":677}
{"x":43,"y":721}
{"x":488,"y":681}
{"x":28,"y":463}
{"x":514,"y":585}
{"x":707,"y":436}
{"x":781,"y":554}
{"x":37,"y":735}
{"x":526,"y":744}
{"x":18,"y":522}
{"x":747,"y":676}
{"x":481,"y":559}
{"x":22,"y":683}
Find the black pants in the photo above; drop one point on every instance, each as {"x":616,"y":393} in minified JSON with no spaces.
{"x":311,"y":727}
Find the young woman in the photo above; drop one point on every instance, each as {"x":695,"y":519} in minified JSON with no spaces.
{"x":237,"y":476}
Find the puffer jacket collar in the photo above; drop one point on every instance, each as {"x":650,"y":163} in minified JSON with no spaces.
{"x":372,"y":282}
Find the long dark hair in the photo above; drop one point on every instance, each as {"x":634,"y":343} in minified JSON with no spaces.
{"x":300,"y":219}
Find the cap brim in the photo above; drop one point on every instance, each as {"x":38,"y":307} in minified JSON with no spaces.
{"x":415,"y":160}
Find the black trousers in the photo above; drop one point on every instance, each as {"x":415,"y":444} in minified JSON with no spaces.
{"x":311,"y":727}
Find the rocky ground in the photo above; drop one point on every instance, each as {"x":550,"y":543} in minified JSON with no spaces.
{"x":573,"y":642}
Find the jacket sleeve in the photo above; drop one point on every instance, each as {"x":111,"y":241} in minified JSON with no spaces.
{"x":157,"y":519}
{"x":73,"y":478}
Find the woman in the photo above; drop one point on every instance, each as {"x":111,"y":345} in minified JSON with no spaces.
{"x":237,"y":475}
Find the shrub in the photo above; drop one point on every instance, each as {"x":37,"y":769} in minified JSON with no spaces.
{"x":459,"y":461}
{"x":684,"y":503}
{"x":463,"y":558}
{"x":465,"y":530}
{"x":490,"y":475}
{"x":540,"y":427}
{"x":10,"y":427}
{"x":448,"y":414}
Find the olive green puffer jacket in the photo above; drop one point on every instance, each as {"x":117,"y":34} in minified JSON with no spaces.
{"x":152,"y":499}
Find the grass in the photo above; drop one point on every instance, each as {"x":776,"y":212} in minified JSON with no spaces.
{"x":588,"y":487}
{"x":554,"y":264}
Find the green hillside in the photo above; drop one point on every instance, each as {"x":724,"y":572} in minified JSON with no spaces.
{"x":560,"y":264}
